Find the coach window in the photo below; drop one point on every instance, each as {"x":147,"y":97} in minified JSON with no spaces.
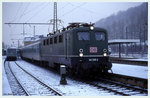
{"x":47,"y":41}
{"x":60,"y":38}
{"x":83,"y":35}
{"x":51,"y":41}
{"x":100,"y":36}
{"x":44,"y":42}
{"x":55,"y":39}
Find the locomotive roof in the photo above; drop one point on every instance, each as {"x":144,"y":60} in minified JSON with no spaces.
{"x":76,"y":28}
{"x":72,"y":29}
{"x":12,"y":48}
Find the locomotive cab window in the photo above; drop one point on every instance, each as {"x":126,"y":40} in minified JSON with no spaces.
{"x":83,"y":35}
{"x":11,"y":51}
{"x":100,"y":36}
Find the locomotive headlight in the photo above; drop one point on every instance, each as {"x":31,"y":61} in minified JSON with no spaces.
{"x":91,"y":28}
{"x":104,"y":54}
{"x":81,"y":54}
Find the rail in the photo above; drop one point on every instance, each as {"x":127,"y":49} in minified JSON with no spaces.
{"x":40,"y":81}
{"x":23,"y":88}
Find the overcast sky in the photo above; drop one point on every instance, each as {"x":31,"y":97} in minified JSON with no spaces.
{"x":43,"y":12}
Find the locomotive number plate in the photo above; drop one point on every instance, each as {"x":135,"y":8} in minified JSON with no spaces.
{"x":93,"y":59}
{"x":93,"y":49}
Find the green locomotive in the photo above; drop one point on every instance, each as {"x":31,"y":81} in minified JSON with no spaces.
{"x":82,"y":47}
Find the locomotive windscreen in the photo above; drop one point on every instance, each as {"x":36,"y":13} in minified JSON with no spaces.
{"x":100,"y":36}
{"x":83,"y":35}
{"x":11,"y":51}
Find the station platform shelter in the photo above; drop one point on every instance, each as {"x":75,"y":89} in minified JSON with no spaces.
{"x":122,"y":41}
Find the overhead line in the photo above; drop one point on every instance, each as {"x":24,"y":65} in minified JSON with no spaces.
{"x":29,"y":23}
{"x":37,"y":12}
{"x":15,"y":18}
{"x":34,"y":8}
{"x":23,"y":11}
{"x":73,"y":9}
{"x":85,"y":9}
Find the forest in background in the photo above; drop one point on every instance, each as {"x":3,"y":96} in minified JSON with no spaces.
{"x":129,"y":24}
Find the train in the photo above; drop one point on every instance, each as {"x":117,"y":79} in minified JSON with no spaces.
{"x":3,"y":52}
{"x":81,"y":47}
{"x":11,"y":54}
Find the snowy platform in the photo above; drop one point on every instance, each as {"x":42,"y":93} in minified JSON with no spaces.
{"x":137,"y":59}
{"x":6,"y":91}
{"x":130,"y":70}
{"x":122,"y":41}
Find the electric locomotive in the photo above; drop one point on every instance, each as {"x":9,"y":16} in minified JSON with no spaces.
{"x":82,"y":47}
{"x":3,"y":52}
{"x":11,"y":54}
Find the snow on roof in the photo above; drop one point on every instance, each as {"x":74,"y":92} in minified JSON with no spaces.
{"x":36,"y":38}
{"x":117,"y":41}
{"x":31,"y":44}
{"x":27,"y":39}
{"x":12,"y":47}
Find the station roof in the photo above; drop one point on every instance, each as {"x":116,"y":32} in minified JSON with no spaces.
{"x":123,"y":41}
{"x":32,"y":39}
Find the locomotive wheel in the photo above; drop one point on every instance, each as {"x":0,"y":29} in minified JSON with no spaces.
{"x":105,"y":71}
{"x":71,"y":72}
{"x":79,"y":71}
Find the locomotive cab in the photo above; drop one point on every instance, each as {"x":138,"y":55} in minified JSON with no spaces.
{"x":11,"y":54}
{"x":90,"y":50}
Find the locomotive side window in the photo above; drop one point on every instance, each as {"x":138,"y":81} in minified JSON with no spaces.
{"x":47,"y":41}
{"x":83,"y":35}
{"x":51,"y":41}
{"x":100,"y":36}
{"x":55,"y":39}
{"x":60,"y":38}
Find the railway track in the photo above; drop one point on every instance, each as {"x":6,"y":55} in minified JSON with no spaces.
{"x":134,"y":88}
{"x":35,"y":85}
{"x":135,"y":81}
{"x":19,"y":89}
{"x":113,"y":86}
{"x":117,"y":88}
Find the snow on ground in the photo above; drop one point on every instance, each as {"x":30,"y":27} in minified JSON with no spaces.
{"x":131,"y":70}
{"x":137,"y":56}
{"x":76,"y":88}
{"x":137,"y":59}
{"x":33,"y":87}
{"x":73,"y":88}
{"x":6,"y":91}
